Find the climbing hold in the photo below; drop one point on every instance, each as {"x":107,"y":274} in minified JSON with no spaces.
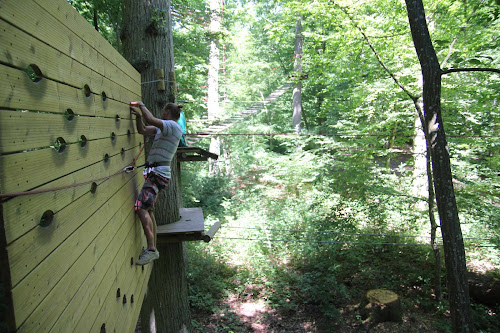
{"x":132,"y":299}
{"x":47,"y":218}
{"x":118,"y":293}
{"x":132,"y":261}
{"x":113,"y":136}
{"x":34,"y":73}
{"x":104,"y":97}
{"x":86,"y":90}
{"x":124,"y":299}
{"x":117,"y":118}
{"x":69,"y":114}
{"x":103,"y":328}
{"x":60,"y":144}
{"x":106,"y":158}
{"x":93,"y":188}
{"x":83,"y":141}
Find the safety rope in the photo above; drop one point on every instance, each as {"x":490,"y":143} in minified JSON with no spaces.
{"x":329,"y":135}
{"x":58,"y":188}
{"x":343,"y":233}
{"x":337,"y":242}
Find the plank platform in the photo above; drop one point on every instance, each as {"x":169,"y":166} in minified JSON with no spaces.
{"x":191,"y":227}
{"x":185,"y":154}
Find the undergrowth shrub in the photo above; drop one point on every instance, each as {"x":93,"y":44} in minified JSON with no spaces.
{"x":209,"y":277}
{"x":206,"y":191}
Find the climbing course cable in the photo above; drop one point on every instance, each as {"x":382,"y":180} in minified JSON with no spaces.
{"x":338,"y":242}
{"x":206,"y":133}
{"x":64,"y":187}
{"x":224,"y":124}
{"x":342,"y":233}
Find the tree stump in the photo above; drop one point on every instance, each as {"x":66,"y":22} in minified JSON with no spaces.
{"x":383,"y":305}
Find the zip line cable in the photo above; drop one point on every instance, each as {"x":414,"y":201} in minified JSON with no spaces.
{"x":320,"y":241}
{"x":318,"y":231}
{"x":344,"y":233}
{"x":329,"y":135}
{"x":338,"y":242}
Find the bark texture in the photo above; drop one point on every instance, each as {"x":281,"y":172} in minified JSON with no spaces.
{"x":445,"y":196}
{"x":148,"y":46}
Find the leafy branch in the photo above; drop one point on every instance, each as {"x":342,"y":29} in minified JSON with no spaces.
{"x":455,"y":70}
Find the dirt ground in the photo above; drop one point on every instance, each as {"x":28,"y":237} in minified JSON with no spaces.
{"x":250,"y":313}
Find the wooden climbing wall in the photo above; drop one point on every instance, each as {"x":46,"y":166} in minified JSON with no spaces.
{"x":68,"y":255}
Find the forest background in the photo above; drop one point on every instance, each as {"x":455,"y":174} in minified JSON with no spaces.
{"x":313,"y":221}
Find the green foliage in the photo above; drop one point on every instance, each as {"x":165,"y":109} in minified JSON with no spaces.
{"x":108,"y":14}
{"x":484,"y":318}
{"x":209,"y":278}
{"x":309,"y":203}
{"x":206,"y":191}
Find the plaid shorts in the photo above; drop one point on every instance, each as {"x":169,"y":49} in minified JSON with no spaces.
{"x":152,"y":186}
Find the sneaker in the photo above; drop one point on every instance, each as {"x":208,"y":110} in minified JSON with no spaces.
{"x":147,"y":256}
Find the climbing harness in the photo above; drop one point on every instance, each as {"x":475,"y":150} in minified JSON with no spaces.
{"x":146,"y":165}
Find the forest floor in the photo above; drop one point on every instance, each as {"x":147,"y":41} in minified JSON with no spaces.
{"x":249,"y":312}
{"x":405,"y":270}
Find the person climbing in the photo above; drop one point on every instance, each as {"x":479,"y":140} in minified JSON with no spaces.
{"x":167,"y":133}
{"x":182,"y":124}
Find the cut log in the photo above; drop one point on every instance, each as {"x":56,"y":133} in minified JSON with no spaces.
{"x":383,"y":305}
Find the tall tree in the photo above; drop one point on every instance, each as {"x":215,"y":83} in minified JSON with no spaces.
{"x":445,"y":195}
{"x":297,"y":91}
{"x":147,"y":42}
{"x":214,"y":110}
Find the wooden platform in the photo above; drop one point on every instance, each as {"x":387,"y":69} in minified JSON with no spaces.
{"x":185,"y":154}
{"x":191,"y":227}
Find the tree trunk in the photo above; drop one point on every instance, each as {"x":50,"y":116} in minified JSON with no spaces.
{"x":213,"y":106}
{"x":454,"y":252}
{"x":96,"y":22}
{"x":422,"y":150}
{"x":383,"y":305}
{"x":297,"y":91}
{"x":147,"y":45}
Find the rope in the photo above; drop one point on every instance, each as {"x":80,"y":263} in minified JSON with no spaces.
{"x":339,"y":242}
{"x":321,"y":242}
{"x":64,"y":187}
{"x":330,"y":135}
{"x":345,"y":233}
{"x":322,"y":232}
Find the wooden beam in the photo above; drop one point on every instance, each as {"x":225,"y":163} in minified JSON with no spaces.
{"x":192,"y":158}
{"x":18,"y":169}
{"x":22,"y":214}
{"x":81,"y":44}
{"x":182,"y":153}
{"x":30,"y":130}
{"x":28,"y":251}
{"x":73,"y":290}
{"x":18,"y":91}
{"x":25,"y":50}
{"x":207,"y":237}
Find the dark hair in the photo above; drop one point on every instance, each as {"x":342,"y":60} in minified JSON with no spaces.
{"x":175,"y":110}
